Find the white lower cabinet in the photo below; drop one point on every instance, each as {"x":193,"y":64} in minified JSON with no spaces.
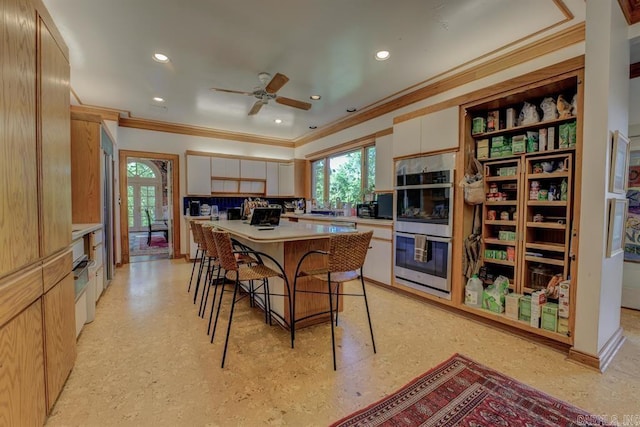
{"x":377,"y":265}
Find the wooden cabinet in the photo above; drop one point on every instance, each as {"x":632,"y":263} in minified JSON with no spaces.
{"x":22,"y":384}
{"x":384,"y":163}
{"x":530,"y":177}
{"x":432,"y":132}
{"x":86,"y":169}
{"x":198,"y":176}
{"x":60,"y":337}
{"x":19,"y":159}
{"x":55,"y":145}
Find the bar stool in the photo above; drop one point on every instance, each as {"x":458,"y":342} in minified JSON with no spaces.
{"x":197,"y":238}
{"x":247,"y":273}
{"x":346,"y":255}
{"x":212,"y":264}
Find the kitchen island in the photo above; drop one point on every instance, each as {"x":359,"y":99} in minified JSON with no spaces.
{"x":287,"y":243}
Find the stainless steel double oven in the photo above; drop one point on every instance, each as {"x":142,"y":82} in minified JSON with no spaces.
{"x":424,"y":210}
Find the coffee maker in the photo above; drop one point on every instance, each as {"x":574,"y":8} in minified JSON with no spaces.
{"x":194,"y":208}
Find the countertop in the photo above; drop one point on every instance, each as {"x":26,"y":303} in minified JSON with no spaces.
{"x":285,"y":232}
{"x":328,"y":218}
{"x":79,"y":230}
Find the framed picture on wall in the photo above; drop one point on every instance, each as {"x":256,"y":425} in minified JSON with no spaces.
{"x":619,"y":170}
{"x":632,"y":237}
{"x":617,"y":221}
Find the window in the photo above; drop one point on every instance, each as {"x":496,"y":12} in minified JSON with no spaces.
{"x":343,"y":177}
{"x":144,"y":185}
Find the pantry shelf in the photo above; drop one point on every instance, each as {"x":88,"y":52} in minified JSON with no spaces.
{"x":500,"y":222}
{"x":490,"y":241}
{"x":502,"y":203}
{"x":545,"y":175}
{"x":555,"y":247}
{"x":548,"y":225}
{"x":520,"y":129}
{"x":502,"y":178}
{"x":544,"y":260}
{"x":546,"y":203}
{"x":500,"y":261}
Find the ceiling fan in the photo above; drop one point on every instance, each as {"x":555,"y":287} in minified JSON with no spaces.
{"x":267,"y":91}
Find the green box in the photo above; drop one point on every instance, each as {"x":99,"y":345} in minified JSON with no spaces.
{"x":563,"y":326}
{"x":525,"y":308}
{"x":519,"y":144}
{"x":489,"y":253}
{"x":549,"y":319}
{"x":478,"y":125}
{"x":495,"y":152}
{"x":482,"y":149}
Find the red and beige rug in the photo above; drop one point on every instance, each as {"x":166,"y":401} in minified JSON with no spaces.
{"x":461,"y":392}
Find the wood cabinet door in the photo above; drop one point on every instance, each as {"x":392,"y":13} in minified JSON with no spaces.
{"x":55,"y":145}
{"x":59,"y":335}
{"x":86,"y":194}
{"x":22,"y":369}
{"x":18,"y":156}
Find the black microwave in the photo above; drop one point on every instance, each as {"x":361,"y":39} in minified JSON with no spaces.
{"x":367,"y":210}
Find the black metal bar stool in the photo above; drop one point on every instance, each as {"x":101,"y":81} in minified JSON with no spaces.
{"x":346,"y":255}
{"x":199,"y":249}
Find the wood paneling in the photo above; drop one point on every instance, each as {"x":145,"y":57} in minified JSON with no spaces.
{"x":102,"y":113}
{"x":18,"y":291}
{"x":55,"y":146}
{"x":300,"y":174}
{"x":22,"y":370}
{"x":55,"y":269}
{"x":631,"y":10}
{"x":18,"y":151}
{"x":59,"y":336}
{"x":85,"y":172}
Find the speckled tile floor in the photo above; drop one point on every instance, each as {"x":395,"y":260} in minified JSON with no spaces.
{"x":146,"y":360}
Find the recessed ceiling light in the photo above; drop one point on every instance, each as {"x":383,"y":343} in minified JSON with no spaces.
{"x":160,"y":57}
{"x":158,"y":99}
{"x":313,"y":127}
{"x":351,"y":110}
{"x":278,"y":121}
{"x":315,"y":97}
{"x":382,"y":55}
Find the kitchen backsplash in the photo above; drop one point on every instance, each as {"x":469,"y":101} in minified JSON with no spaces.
{"x":224,"y":203}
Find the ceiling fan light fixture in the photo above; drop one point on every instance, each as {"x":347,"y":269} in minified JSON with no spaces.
{"x":278,"y":121}
{"x":160,"y":57}
{"x":382,"y":55}
{"x":351,"y":110}
{"x":315,"y":97}
{"x":158,"y":99}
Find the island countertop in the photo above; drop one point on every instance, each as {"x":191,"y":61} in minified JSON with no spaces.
{"x":285,"y":232}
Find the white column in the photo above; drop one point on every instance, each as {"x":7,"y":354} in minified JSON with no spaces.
{"x":605,"y":110}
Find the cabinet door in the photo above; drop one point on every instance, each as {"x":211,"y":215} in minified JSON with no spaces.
{"x":377,"y":264}
{"x":22,"y":369}
{"x":245,"y":187}
{"x":272,"y":179}
{"x":439,"y":130}
{"x":406,"y":138}
{"x":225,"y":167}
{"x":56,"y":145}
{"x":285,"y":179}
{"x":384,"y":163}
{"x":60,"y":336}
{"x":18,"y":161}
{"x":255,"y":169}
{"x":198,"y":176}
{"x":230,"y":186}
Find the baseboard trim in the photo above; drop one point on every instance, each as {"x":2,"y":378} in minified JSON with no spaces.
{"x":605,"y":355}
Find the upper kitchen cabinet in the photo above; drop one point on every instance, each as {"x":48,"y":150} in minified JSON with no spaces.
{"x":198,"y":175}
{"x":55,"y":144}
{"x":432,"y":132}
{"x":273,"y":186}
{"x":286,"y":179}
{"x":19,"y":159}
{"x":86,"y":196}
{"x":384,"y":163}
{"x":253,"y":169}
{"x":225,"y":167}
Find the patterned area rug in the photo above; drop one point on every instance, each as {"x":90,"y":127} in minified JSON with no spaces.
{"x":461,"y":392}
{"x":138,"y":245}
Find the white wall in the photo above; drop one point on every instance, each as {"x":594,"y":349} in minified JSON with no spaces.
{"x":605,"y":110}
{"x":169,"y":143}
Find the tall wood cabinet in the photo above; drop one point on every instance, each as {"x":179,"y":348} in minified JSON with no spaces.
{"x":86,"y":168}
{"x":531,"y":174}
{"x":35,"y":198}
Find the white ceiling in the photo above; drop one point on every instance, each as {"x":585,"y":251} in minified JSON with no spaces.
{"x":325,"y":47}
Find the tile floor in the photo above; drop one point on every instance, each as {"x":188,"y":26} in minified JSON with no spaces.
{"x":146,"y":360}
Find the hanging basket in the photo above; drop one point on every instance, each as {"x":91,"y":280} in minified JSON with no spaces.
{"x":474,"y":190}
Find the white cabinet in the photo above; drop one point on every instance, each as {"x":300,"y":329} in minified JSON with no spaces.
{"x":285,"y":179}
{"x":384,"y":163}
{"x":198,"y":175}
{"x":225,"y":167}
{"x":439,"y":130}
{"x":253,"y":169}
{"x":272,"y":179}
{"x":252,"y":187}
{"x":378,"y":263}
{"x":406,"y":138}
{"x":425,"y":134}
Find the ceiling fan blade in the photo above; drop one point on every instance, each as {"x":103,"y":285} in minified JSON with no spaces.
{"x":276,"y":83}
{"x":232,"y":91}
{"x":256,"y":107}
{"x":293,"y":103}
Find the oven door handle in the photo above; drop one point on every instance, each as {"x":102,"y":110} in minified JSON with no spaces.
{"x":424,"y":186}
{"x":429,"y":238}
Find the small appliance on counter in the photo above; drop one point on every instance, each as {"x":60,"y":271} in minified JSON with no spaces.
{"x":194,"y":208}
{"x":234,"y":213}
{"x":367,"y":210}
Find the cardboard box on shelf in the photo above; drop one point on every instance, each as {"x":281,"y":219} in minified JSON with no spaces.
{"x":519,"y":144}
{"x":511,"y":117}
{"x":493,"y":121}
{"x":482,"y":149}
{"x":525,"y":308}
{"x":563,"y":326}
{"x":551,"y":138}
{"x":512,"y":305}
{"x":479,"y":125}
{"x":549,"y":319}
{"x":538,"y":300}
{"x":563,"y":298}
